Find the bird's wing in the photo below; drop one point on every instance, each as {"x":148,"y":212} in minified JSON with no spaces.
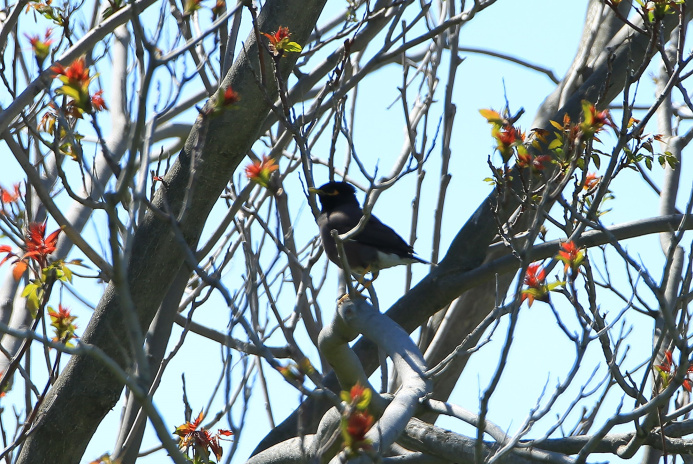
{"x":383,"y":238}
{"x":340,"y":220}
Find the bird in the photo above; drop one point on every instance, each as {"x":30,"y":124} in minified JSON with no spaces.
{"x":374,"y":248}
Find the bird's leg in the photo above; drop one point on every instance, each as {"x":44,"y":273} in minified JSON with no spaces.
{"x":362,"y":284}
{"x":365,"y":283}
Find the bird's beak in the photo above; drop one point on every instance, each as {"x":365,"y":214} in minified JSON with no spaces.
{"x":314,"y":190}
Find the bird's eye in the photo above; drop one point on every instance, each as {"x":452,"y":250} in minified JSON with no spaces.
{"x":332,"y":193}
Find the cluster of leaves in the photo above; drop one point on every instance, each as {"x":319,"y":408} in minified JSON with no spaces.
{"x":510,"y":141}
{"x":48,"y":11}
{"x":200,"y":441}
{"x":37,"y":249}
{"x":356,"y":420}
{"x":76,"y":81}
{"x":260,"y":171}
{"x":280,"y":42}
{"x":63,"y":324}
{"x":570,"y":138}
{"x":642,"y":151}
{"x":667,"y":371}
{"x":656,"y":10}
{"x":535,"y":277}
{"x":511,"y":144}
{"x":41,"y":46}
{"x":60,"y":122}
{"x":224,"y":100}
{"x":296,"y":373}
{"x":9,"y":201}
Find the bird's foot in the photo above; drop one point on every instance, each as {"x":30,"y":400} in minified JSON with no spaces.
{"x":363,"y":282}
{"x":342,"y":299}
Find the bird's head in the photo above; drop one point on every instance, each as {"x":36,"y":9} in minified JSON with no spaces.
{"x":334,"y":194}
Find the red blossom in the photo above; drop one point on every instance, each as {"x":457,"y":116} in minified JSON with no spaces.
{"x":572,"y":257}
{"x":260,"y":171}
{"x":230,"y":97}
{"x":358,"y":424}
{"x":593,"y":120}
{"x":507,"y":138}
{"x":537,"y":288}
{"x":280,"y":42}
{"x":6,"y":249}
{"x":510,"y":135}
{"x":535,"y":276}
{"x":591,"y":181}
{"x":667,"y":371}
{"x":200,"y":440}
{"x":280,"y":34}
{"x":62,"y":322}
{"x":526,"y":159}
{"x":7,"y":196}
{"x":356,"y":392}
{"x":76,"y":80}
{"x":97,"y":101}
{"x":38,"y":247}
{"x":40,"y":46}
{"x":75,"y":74}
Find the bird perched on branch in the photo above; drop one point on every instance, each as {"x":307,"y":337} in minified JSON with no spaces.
{"x":375,"y":247}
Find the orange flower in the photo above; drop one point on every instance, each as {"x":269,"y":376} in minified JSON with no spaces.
{"x":62,"y":321}
{"x":537,"y":288}
{"x":571,"y":256}
{"x":97,"y":101}
{"x":260,"y":171}
{"x":41,"y":47}
{"x":591,"y":181}
{"x":358,"y":425}
{"x":526,"y":159}
{"x":280,"y":43}
{"x":200,"y":440}
{"x":667,"y":370}
{"x":76,"y":80}
{"x":223,"y":100}
{"x":76,"y":74}
{"x":10,"y":197}
{"x":593,"y":120}
{"x":37,"y":247}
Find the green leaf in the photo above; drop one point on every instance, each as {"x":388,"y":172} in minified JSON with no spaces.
{"x":292,"y":47}
{"x":33,"y":294}
{"x":365,"y":399}
{"x":68,"y":91}
{"x":596,"y":160}
{"x":555,"y":143}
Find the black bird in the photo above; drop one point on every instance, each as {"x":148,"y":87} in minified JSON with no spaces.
{"x":376,"y":247}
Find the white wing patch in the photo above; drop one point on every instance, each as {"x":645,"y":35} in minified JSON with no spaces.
{"x":386,"y":260}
